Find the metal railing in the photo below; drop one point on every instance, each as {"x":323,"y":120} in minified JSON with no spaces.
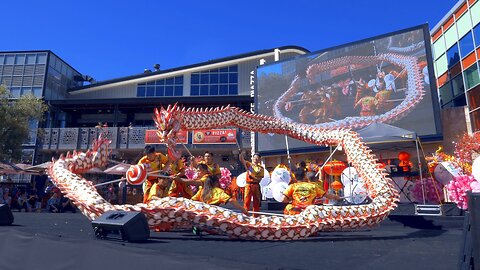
{"x":122,"y":137}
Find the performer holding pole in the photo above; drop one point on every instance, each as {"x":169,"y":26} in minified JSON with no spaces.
{"x":157,"y":162}
{"x":255,"y":173}
{"x":178,"y":187}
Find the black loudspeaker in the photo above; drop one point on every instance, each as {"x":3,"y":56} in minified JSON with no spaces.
{"x":6,"y":216}
{"x":122,"y":225}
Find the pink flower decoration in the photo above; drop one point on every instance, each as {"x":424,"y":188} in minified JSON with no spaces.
{"x":430,"y":193}
{"x":226,"y":178}
{"x":457,"y":189}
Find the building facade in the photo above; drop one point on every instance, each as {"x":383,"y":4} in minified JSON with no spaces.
{"x":456,"y":53}
{"x":125,"y":105}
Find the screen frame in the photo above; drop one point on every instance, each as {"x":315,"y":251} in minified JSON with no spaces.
{"x":438,"y":136}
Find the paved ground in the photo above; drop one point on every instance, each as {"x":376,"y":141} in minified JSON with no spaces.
{"x":401,"y":242}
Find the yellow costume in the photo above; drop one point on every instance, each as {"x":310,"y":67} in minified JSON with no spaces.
{"x":213,"y":168}
{"x":151,"y":184}
{"x":255,"y":174}
{"x":218,"y":196}
{"x":302,"y":194}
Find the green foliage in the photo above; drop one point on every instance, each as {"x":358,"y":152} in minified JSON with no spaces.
{"x":14,"y":118}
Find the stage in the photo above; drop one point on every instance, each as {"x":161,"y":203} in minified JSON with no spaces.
{"x":66,"y":241}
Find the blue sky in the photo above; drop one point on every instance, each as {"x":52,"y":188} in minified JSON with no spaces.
{"x":109,"y":39}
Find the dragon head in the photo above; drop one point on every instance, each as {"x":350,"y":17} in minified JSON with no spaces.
{"x":168,"y":124}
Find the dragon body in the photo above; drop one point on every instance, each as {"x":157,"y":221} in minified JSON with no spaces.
{"x":184,"y":213}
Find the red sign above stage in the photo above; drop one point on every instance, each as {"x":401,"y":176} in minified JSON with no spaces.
{"x":215,"y":136}
{"x":151,"y":137}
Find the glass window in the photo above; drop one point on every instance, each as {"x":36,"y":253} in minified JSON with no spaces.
{"x":460,"y":101}
{"x":474,"y":98}
{"x":453,"y":56}
{"x":20,"y":59}
{"x":475,"y":11}
{"x":215,"y":70}
{"x":15,"y":91}
{"x":194,"y":91}
{"x":160,"y":82}
{"x":42,"y":58}
{"x":195,"y":78}
{"x":233,"y":89}
{"x":26,"y":91}
{"x":214,"y":90}
{"x":9,"y":59}
{"x":225,"y":69}
{"x":451,"y":36}
{"x":446,"y":93}
{"x":475,"y":117}
{"x":233,"y":68}
{"x":178,"y":91}
{"x":204,"y":90}
{"x":472,"y":77}
{"x":31,"y":59}
{"x":2,"y":58}
{"x":169,"y":81}
{"x":233,"y":77}
{"x":168,"y":91}
{"x":204,"y":78}
{"x":141,"y":84}
{"x":179,"y":80}
{"x":476,"y":32}
{"x":151,"y":83}
{"x":466,"y":44}
{"x":159,"y":90}
{"x":463,"y":24}
{"x":213,"y":77}
{"x":223,"y":77}
{"x":150,"y":91}
{"x":141,"y":91}
{"x":37,"y":92}
{"x":457,"y":85}
{"x":223,"y":90}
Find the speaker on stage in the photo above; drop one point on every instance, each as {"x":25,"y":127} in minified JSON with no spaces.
{"x":122,"y":225}
{"x":6,"y":216}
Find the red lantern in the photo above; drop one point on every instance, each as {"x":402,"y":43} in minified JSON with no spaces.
{"x":336,"y":185}
{"x":403,"y":156}
{"x":334,"y":167}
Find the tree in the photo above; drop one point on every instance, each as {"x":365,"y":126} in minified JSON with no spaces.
{"x":15,"y":115}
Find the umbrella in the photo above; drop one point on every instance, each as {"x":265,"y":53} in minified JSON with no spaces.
{"x":119,"y":169}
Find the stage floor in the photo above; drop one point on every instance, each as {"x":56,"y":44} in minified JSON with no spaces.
{"x":66,"y":241}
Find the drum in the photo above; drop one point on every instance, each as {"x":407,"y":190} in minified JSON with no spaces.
{"x":278,"y":189}
{"x":266,"y":179}
{"x":242,"y":180}
{"x":350,"y":175}
{"x":280,"y":175}
{"x":267,"y":192}
{"x":355,"y":193}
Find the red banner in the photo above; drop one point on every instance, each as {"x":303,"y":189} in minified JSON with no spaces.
{"x":215,"y":136}
{"x":151,"y":137}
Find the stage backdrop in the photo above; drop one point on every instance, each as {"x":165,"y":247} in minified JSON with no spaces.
{"x":353,"y":89}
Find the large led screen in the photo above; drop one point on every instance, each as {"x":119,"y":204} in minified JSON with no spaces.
{"x":385,"y":79}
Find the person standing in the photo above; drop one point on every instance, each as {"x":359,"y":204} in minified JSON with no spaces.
{"x":255,"y":173}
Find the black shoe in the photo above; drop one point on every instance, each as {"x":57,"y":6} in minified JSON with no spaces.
{"x":196,"y":231}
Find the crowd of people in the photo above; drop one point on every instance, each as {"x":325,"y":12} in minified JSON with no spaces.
{"x":39,"y":196}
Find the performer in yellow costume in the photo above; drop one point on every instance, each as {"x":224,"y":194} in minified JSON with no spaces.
{"x":302,"y":194}
{"x":157,"y":163}
{"x":178,"y":187}
{"x":213,"y":167}
{"x":211,"y":193}
{"x":255,"y":173}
